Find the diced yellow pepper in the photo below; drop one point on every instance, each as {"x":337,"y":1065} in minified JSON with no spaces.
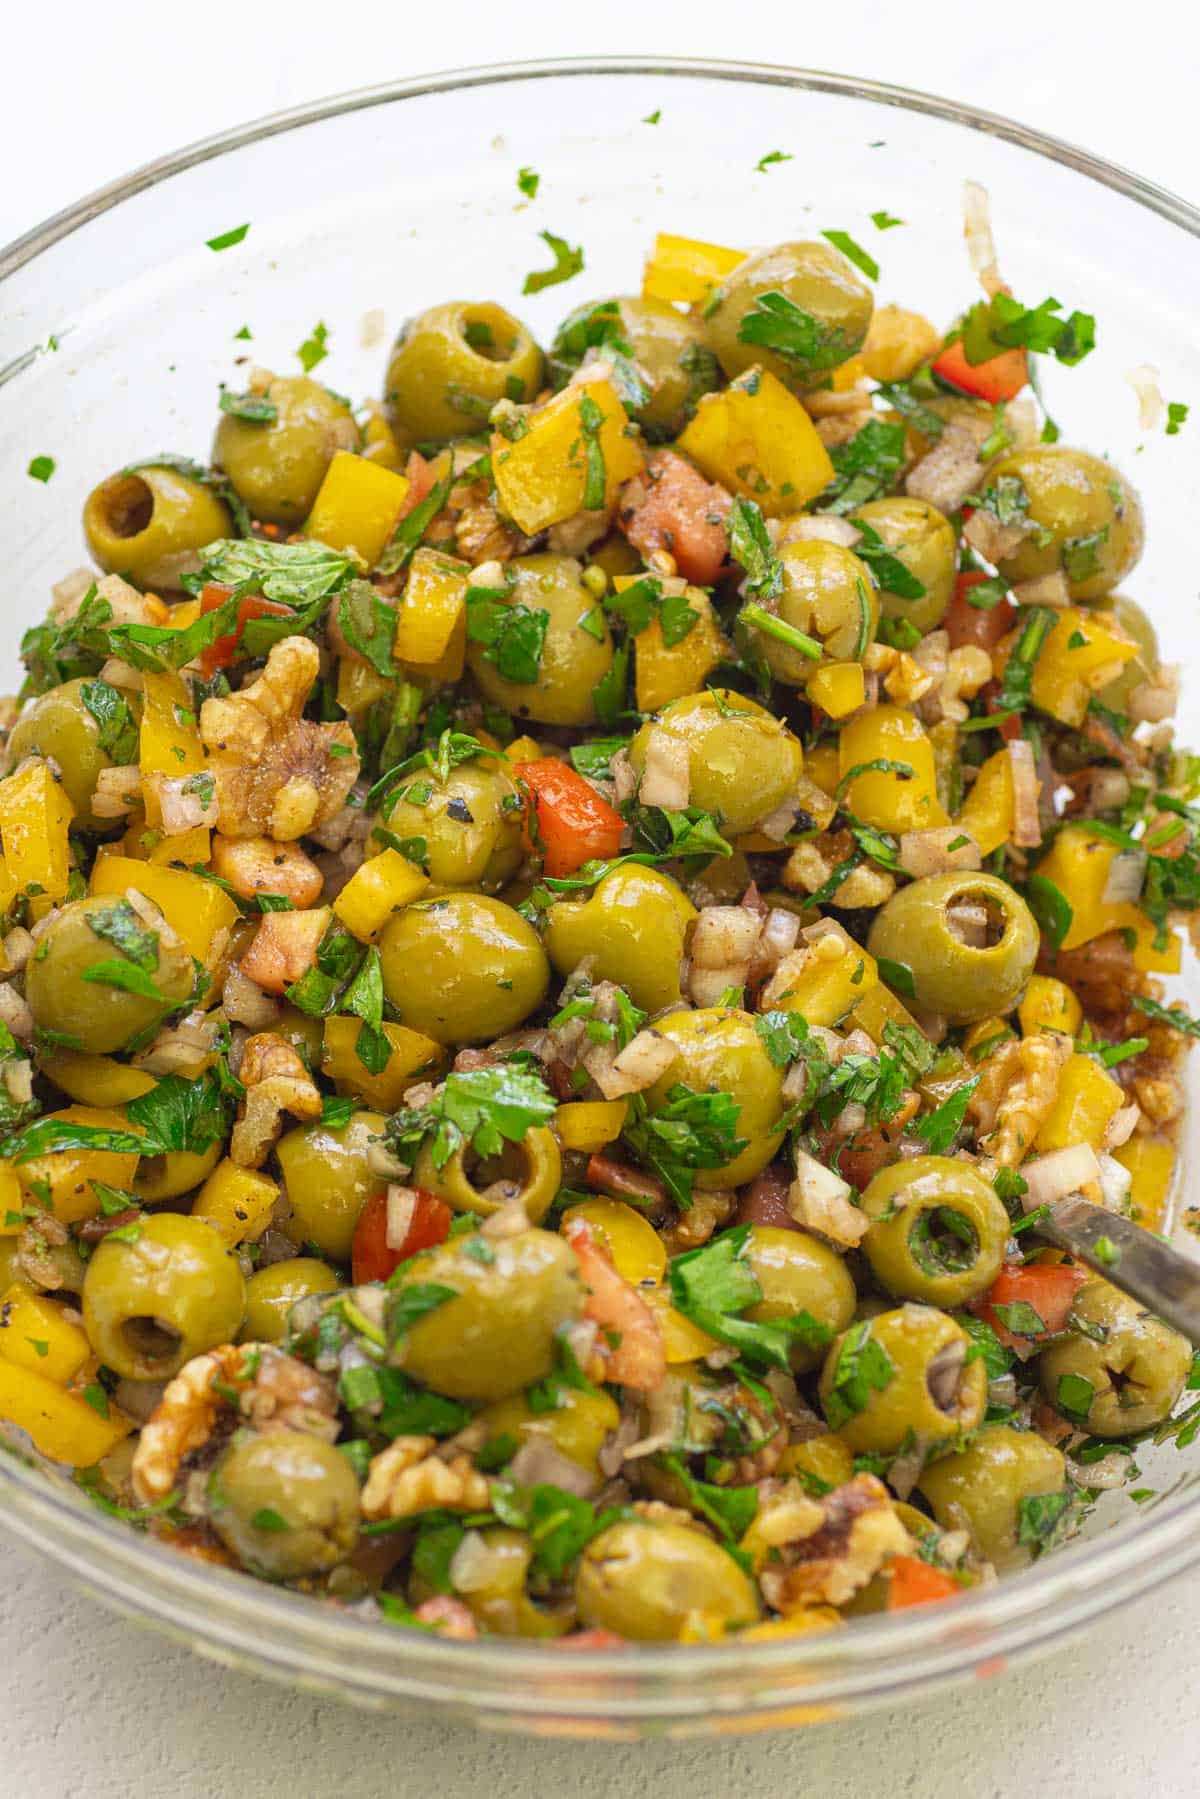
{"x":541,"y":477}
{"x":836,"y":976}
{"x":665,"y":672}
{"x":379,"y":887}
{"x":198,"y":910}
{"x":686,"y":268}
{"x":12,"y":1201}
{"x":35,"y":1333}
{"x":187,"y":848}
{"x":379,"y":440}
{"x":1082,"y":654}
{"x":756,"y":439}
{"x":357,"y":506}
{"x":838,"y":688}
{"x":898,"y":342}
{"x":986,"y":1035}
{"x":887,"y":800}
{"x":826,"y":1457}
{"x":638,"y":1252}
{"x":1078,"y":864}
{"x":1049,"y":1005}
{"x":987,"y":812}
{"x":1151,"y":1162}
{"x":184,"y":614}
{"x":524,"y":749}
{"x":359,"y":685}
{"x":878,"y":1008}
{"x":62,"y":1425}
{"x":588,"y":1124}
{"x":96,"y":1080}
{"x":431,"y":620}
{"x":683,"y":1341}
{"x":34,"y":816}
{"x":822,"y":767}
{"x":64,"y":1176}
{"x":847,"y":375}
{"x":1147,"y":959}
{"x":237,"y":1202}
{"x":412,"y":1055}
{"x":1087,"y":1101}
{"x":169,"y":741}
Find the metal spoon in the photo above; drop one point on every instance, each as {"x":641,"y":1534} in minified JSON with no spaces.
{"x":1129,"y":1257}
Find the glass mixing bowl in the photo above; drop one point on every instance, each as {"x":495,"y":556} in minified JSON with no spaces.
{"x":116,"y":324}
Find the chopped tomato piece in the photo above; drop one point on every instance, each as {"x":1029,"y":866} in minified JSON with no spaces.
{"x":914,"y":1582}
{"x":371,"y":1256}
{"x":1001,"y":377}
{"x":672,"y":507}
{"x":420,"y":482}
{"x":574,"y":825}
{"x":221,"y":652}
{"x":630,"y":1343}
{"x":984,"y":625}
{"x":1048,"y":1288}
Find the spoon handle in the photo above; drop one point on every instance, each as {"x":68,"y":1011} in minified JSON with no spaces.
{"x":1131,"y":1258}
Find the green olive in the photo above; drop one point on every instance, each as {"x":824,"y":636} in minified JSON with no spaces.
{"x":578,"y":1425}
{"x":918,"y":536}
{"x":633,"y":927}
{"x":829,"y":597}
{"x":492,"y":1586}
{"x":815,"y":278}
{"x":968,"y":940}
{"x":328,"y":1180}
{"x":1125,"y":1378}
{"x":650,"y":1581}
{"x":174,"y":1172}
{"x":672,"y":363}
{"x":286,"y":1503}
{"x":530,"y":1171}
{"x":65,"y":1259}
{"x":152,"y":1301}
{"x":576,"y":652}
{"x":743,"y":761}
{"x":277,"y":467}
{"x":62,"y":725}
{"x":938,"y":1231}
{"x":463,"y":968}
{"x":902,"y":1372}
{"x":470,"y":823}
{"x":452,"y":363}
{"x":982,"y":1489}
{"x":69,"y":994}
{"x":150,"y":525}
{"x":721,"y":1052}
{"x":799,"y":1274}
{"x":497,"y":1335}
{"x":1089,"y":518}
{"x":272,"y":1292}
{"x":1135,"y":623}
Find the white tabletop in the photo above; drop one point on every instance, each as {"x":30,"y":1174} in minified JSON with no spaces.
{"x":90,"y":1706}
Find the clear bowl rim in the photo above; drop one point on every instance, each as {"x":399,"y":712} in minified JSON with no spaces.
{"x":1036,"y":1607}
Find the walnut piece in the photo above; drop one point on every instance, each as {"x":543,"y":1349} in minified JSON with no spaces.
{"x":276,"y":1081}
{"x":1018,"y":1084}
{"x":835,"y":1546}
{"x":407,"y":1478}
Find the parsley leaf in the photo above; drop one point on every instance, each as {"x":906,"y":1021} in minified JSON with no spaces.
{"x":180,"y":1114}
{"x":750,"y":544}
{"x":225,"y":240}
{"x":369,"y":626}
{"x":413,"y":526}
{"x":865,"y":467}
{"x":862,"y":259}
{"x":776,"y":323}
{"x":483,"y":1107}
{"x":644,"y":601}
{"x":527,"y":181}
{"x":116,"y":726}
{"x":514,"y":636}
{"x":939,"y":1128}
{"x":688,"y":1131}
{"x":254,"y":409}
{"x":715,"y":1283}
{"x":863,"y":1367}
{"x":41,"y":468}
{"x":567,"y":263}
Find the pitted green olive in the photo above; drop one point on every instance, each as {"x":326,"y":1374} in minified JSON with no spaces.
{"x":672,"y":364}
{"x":818,"y":281}
{"x":1087,"y":518}
{"x":463,"y":968}
{"x":63,"y":726}
{"x":272,"y":1292}
{"x":938,"y":1232}
{"x":918,"y":536}
{"x":497,"y":1334}
{"x":983,"y":1489}
{"x":799,"y":1274}
{"x":829,"y":597}
{"x":902,"y":1373}
{"x":1125,"y":1377}
{"x":67,"y":984}
{"x":285,"y":1502}
{"x":175,"y":1171}
{"x":470,"y":823}
{"x":1142,"y":667}
{"x":576,"y":652}
{"x":632,"y":926}
{"x":153,"y":1301}
{"x":721,"y":1052}
{"x":651,"y":1581}
{"x":969,"y":942}
{"x":328,"y":1180}
{"x":743,"y":761}
{"x":452,"y":363}
{"x":150,"y":524}
{"x":530,"y":1171}
{"x":577,"y":1426}
{"x":276,"y":466}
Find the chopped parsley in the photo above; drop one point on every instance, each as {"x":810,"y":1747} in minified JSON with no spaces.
{"x":863,"y":1367}
{"x":853,"y":252}
{"x":227,"y":239}
{"x":41,"y":468}
{"x":568,"y":262}
{"x":313,"y":350}
{"x":750,"y":544}
{"x":686,"y":1132}
{"x":715,"y":1284}
{"x":770,"y":159}
{"x":482,"y":1108}
{"x":527,"y":181}
{"x":776,"y":323}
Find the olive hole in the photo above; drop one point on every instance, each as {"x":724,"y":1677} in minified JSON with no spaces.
{"x":943,"y":1241}
{"x":944,"y":1375}
{"x":501,"y":1177}
{"x":975,"y":921}
{"x":128,"y":505}
{"x":150,"y":1340}
{"x":479,"y":335}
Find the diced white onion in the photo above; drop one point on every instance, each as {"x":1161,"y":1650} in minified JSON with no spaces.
{"x":1121,"y":1126}
{"x":1027,"y":828}
{"x":1126,"y":877}
{"x":1115,"y":1183}
{"x":637,"y":1067}
{"x":724,"y":937}
{"x":929,"y":853}
{"x":977,"y":229}
{"x":819,"y":1199}
{"x":666,"y":777}
{"x":1152,"y":408}
{"x":401,"y":1209}
{"x":1062,"y":1171}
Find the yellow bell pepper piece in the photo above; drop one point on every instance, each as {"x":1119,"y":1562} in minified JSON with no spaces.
{"x":431,"y":621}
{"x":890,"y":801}
{"x":379,"y":887}
{"x":541,"y":477}
{"x":986,"y":1035}
{"x":1078,"y":864}
{"x":1087,"y":1101}
{"x":1151,"y":1162}
{"x":357,"y":506}
{"x":987,"y":812}
{"x":686,"y":268}
{"x":34,"y":815}
{"x":824,"y":1458}
{"x":898,"y":342}
{"x":847,"y":375}
{"x":638,"y":1252}
{"x":1147,"y":959}
{"x":182,"y":615}
{"x":189,"y":847}
{"x":756,"y":439}
{"x":379,"y":441}
{"x":62,"y":1425}
{"x":822,"y":767}
{"x":12,"y":1202}
{"x":237,"y":1202}
{"x":587,"y":1125}
{"x":834,"y":979}
{"x":64,"y":1177}
{"x":359,"y":685}
{"x":683,"y":1341}
{"x":196,"y":909}
{"x":1082,"y":654}
{"x":96,"y":1080}
{"x":169,"y":741}
{"x":412,"y":1055}
{"x":1049,"y":1005}
{"x":35,"y":1333}
{"x":838,"y":688}
{"x":665,"y":672}
{"x":524,"y":749}
{"x":878,"y":1008}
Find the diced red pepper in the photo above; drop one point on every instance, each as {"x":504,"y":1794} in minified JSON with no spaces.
{"x":221,"y":652}
{"x":914,"y":1582}
{"x":672,"y":507}
{"x":1048,"y":1287}
{"x":574,"y":825}
{"x":984,"y":625}
{"x":1001,"y":377}
{"x":372,"y":1257}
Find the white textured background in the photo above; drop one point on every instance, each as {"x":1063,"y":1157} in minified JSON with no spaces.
{"x":91,"y":1708}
